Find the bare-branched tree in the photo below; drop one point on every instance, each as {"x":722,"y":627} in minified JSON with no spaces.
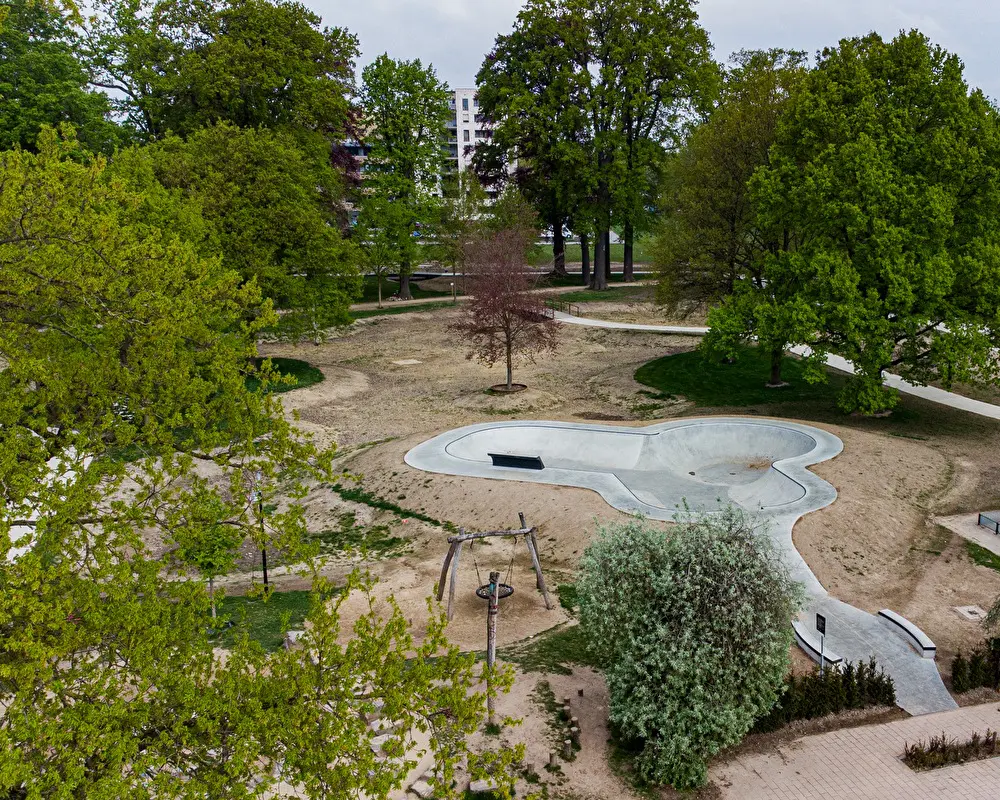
{"x":504,"y":320}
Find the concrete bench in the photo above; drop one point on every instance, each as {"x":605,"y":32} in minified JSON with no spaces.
{"x":920,"y":640}
{"x":809,"y":641}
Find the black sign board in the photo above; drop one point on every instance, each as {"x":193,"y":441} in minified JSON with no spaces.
{"x":821,"y":624}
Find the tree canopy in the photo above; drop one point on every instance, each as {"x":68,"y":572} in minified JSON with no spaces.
{"x":405,"y":113}
{"x":276,"y":207}
{"x":885,"y":165}
{"x":126,"y":355}
{"x":692,"y":629}
{"x":252,"y":63}
{"x":43,"y":82}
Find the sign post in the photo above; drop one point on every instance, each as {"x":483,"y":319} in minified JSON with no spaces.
{"x":821,"y":627}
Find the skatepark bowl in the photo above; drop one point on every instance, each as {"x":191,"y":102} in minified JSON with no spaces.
{"x":655,"y":471}
{"x":701,"y":464}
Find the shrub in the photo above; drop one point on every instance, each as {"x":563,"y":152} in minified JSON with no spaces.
{"x":692,"y":630}
{"x":860,"y":685}
{"x":960,"y":674}
{"x":941,"y":751}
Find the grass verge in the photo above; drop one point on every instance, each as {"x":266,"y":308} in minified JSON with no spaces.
{"x":556,"y":651}
{"x":359,"y":495}
{"x":983,"y":557}
{"x":391,"y":309}
{"x":304,"y":374}
{"x":265,"y":621}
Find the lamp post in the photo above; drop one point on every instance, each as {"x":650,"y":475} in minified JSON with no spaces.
{"x":259,"y":477}
{"x":454,"y":295}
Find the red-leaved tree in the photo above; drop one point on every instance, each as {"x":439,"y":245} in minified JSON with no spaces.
{"x":504,"y":320}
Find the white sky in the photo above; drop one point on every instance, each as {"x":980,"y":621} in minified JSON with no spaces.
{"x":454,"y":35}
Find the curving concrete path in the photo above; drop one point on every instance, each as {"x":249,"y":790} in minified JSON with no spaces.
{"x":759,"y":464}
{"x":930,"y":393}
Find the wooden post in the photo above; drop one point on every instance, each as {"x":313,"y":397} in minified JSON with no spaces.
{"x":444,"y":571}
{"x":454,"y":578}
{"x":539,"y":580}
{"x":491,"y":643}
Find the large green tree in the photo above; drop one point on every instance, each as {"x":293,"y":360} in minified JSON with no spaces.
{"x":887,"y":167}
{"x":43,"y":82}
{"x":276,"y":206}
{"x":603,"y":83}
{"x":405,"y":113}
{"x":126,"y":353}
{"x":692,"y":629}
{"x":178,"y":67}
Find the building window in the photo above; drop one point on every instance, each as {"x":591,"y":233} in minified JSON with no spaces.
{"x":465,"y":136}
{"x":465,"y":104}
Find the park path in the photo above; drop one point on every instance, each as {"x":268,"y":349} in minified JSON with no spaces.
{"x":852,"y":633}
{"x":864,"y":764}
{"x":934,"y":395}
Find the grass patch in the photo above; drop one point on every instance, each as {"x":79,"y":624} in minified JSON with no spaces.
{"x":359,"y":495}
{"x":265,"y":621}
{"x":626,"y":294}
{"x":391,"y":309}
{"x":555,"y":651}
{"x":303,"y":373}
{"x":983,"y":557}
{"x":568,"y":597}
{"x":711,"y":383}
{"x":641,"y":253}
{"x":369,"y":290}
{"x":375,"y":541}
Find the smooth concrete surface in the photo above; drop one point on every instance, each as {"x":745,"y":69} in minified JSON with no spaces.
{"x":930,"y":393}
{"x":704,"y":464}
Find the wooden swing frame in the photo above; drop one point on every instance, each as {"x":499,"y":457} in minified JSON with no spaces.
{"x":455,"y":552}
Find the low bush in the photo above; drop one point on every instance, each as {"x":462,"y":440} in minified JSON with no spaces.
{"x":853,"y":686}
{"x":941,"y":750}
{"x":981,"y":668}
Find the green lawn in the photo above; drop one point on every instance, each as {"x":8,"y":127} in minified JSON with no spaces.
{"x":712,"y":383}
{"x":625,"y":294}
{"x":392,"y":308}
{"x":304,"y":373}
{"x":264,"y":620}
{"x":389,"y":288}
{"x":542,"y":254}
{"x":983,"y":557}
{"x":555,"y":651}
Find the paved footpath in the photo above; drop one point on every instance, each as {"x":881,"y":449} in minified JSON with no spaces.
{"x":864,"y":764}
{"x":836,"y":362}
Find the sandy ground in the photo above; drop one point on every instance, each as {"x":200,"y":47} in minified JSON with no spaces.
{"x":878,"y":546}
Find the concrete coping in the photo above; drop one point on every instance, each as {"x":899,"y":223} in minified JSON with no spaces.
{"x":913,"y":634}
{"x":810,"y":642}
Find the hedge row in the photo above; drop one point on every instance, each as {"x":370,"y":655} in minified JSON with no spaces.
{"x":981,"y":668}
{"x":858,"y":685}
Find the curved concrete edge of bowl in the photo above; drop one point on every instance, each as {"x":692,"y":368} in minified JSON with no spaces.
{"x":781,"y":494}
{"x":615,"y":461}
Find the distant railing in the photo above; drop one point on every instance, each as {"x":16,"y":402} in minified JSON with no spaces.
{"x":989,"y":522}
{"x":564,"y":308}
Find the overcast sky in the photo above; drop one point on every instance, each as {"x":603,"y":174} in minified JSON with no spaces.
{"x":454,"y":35}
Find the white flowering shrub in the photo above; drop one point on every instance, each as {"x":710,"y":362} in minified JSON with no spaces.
{"x":691,"y":627}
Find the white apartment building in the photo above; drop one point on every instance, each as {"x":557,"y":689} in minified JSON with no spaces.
{"x":466,"y":129}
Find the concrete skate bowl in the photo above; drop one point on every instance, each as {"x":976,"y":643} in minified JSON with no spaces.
{"x":701,"y":463}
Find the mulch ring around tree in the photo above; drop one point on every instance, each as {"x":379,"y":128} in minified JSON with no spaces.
{"x":502,"y":388}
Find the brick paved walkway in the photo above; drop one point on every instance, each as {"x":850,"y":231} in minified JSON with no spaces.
{"x":863,"y":764}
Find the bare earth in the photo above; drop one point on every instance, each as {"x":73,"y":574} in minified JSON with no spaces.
{"x":877,"y":546}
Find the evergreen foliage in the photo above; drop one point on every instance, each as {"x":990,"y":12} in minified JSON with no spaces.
{"x":981,"y":668}
{"x":859,"y":685}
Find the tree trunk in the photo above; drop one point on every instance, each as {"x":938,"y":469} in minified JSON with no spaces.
{"x":777,"y":354}
{"x":600,"y":248}
{"x":211,"y":593}
{"x":378,"y":280}
{"x":628,"y":272}
{"x":404,"y":282}
{"x":510,"y":368}
{"x":585,"y":258}
{"x":558,"y":249}
{"x":607,"y":258}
